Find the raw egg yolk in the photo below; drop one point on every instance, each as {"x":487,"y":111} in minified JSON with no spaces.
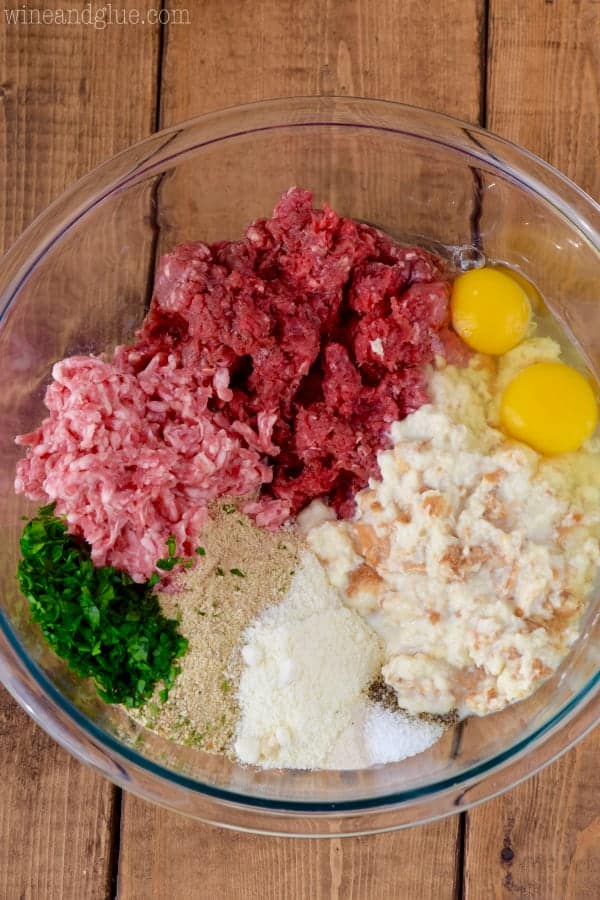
{"x":549,"y":406}
{"x":490,"y":310}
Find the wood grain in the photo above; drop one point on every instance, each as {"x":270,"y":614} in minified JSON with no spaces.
{"x":166,"y":855}
{"x":234,"y":53}
{"x":542,"y":840}
{"x":272,"y":48}
{"x":56,"y":817}
{"x":544,"y":82}
{"x":70,"y":96}
{"x":239,"y":52}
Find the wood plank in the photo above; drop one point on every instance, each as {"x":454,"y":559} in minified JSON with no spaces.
{"x":542,"y":840}
{"x":234,"y":53}
{"x":165,"y":855}
{"x":70,"y":97}
{"x":56,"y":816}
{"x":239,"y":52}
{"x":544,"y":82}
{"x":324,"y":48}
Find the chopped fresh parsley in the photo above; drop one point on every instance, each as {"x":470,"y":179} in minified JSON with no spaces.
{"x":200,"y":551}
{"x":171,"y":560}
{"x":229,"y":508}
{"x":168,"y":563}
{"x":104,"y":625}
{"x":238,"y":572}
{"x":219,"y":570}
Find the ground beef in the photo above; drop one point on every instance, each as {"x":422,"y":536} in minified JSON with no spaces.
{"x":276,"y":362}
{"x":321,"y":323}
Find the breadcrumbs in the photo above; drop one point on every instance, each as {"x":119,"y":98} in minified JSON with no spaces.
{"x":241,"y":569}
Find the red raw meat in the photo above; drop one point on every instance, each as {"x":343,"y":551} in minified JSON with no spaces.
{"x":323,"y":323}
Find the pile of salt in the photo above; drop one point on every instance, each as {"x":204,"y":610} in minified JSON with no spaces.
{"x":378,"y":735}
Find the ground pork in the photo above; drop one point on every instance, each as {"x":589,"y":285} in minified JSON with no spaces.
{"x":131,"y":459}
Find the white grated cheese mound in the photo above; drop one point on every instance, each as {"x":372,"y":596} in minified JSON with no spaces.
{"x":306,"y":663}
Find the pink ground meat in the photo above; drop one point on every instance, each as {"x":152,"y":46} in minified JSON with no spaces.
{"x":131,"y":459}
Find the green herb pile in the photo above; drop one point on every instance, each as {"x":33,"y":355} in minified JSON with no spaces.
{"x":104,"y":625}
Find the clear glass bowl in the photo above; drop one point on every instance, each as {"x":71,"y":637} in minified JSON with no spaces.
{"x":79,"y":279}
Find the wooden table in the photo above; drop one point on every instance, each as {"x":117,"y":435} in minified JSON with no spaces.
{"x":72,"y":96}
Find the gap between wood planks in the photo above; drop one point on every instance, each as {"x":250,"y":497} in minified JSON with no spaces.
{"x":115,"y":826}
{"x":154,"y":223}
{"x":484,"y":25}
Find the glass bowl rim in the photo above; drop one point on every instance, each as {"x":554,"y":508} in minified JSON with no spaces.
{"x":479,"y":153}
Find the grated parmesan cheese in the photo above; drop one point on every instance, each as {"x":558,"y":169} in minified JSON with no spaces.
{"x":306,"y":663}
